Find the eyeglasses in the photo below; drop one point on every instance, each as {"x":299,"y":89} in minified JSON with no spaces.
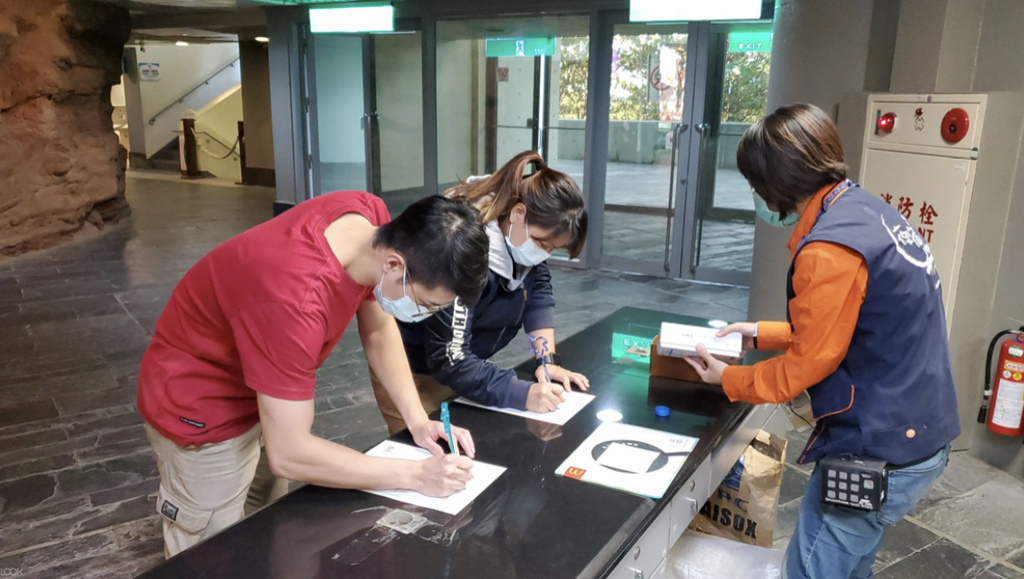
{"x":427,"y":310}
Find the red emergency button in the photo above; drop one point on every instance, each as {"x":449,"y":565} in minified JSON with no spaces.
{"x":886,"y":122}
{"x":955,"y":125}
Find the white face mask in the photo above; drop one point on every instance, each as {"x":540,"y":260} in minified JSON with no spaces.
{"x":404,"y":309}
{"x":529,"y":253}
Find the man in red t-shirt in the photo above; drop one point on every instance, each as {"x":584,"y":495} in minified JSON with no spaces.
{"x":232,"y":366}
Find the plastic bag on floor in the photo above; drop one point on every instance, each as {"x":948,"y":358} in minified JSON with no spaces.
{"x":699,"y":556}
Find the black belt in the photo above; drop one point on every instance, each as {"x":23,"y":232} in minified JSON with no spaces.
{"x":892,"y":466}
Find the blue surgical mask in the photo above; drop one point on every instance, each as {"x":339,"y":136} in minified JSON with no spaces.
{"x":772,"y":217}
{"x":404,"y":309}
{"x":529,"y":253}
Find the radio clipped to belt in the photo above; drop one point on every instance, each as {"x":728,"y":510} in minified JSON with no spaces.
{"x":857,"y":483}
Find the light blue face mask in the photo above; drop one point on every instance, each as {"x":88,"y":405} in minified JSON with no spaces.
{"x":772,"y":217}
{"x":404,"y":309}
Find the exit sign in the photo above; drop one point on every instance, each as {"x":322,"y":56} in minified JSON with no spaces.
{"x":750,"y":42}
{"x":498,"y":47}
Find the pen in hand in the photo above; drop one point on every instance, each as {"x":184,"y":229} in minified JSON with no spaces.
{"x":447,"y":422}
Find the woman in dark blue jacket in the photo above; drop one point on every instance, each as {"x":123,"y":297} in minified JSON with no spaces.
{"x":527,"y":216}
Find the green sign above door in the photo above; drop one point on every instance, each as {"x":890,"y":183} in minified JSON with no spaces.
{"x":750,"y":42}
{"x":498,"y":47}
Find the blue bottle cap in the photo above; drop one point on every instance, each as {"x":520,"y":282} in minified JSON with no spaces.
{"x":661,"y":411}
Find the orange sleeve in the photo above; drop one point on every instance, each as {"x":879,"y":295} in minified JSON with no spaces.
{"x":774,"y":335}
{"x":829,"y":283}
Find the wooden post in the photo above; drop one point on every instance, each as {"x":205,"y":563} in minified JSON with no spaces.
{"x":241,"y":149}
{"x":191,"y":149}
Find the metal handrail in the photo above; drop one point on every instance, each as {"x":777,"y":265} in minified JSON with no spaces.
{"x":182,"y":98}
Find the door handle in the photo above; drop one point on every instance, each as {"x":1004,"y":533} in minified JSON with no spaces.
{"x":702,"y":128}
{"x":677,"y":131}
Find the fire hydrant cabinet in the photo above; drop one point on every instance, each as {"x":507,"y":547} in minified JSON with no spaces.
{"x":948,"y":163}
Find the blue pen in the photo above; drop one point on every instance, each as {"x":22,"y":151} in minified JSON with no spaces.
{"x":447,"y":421}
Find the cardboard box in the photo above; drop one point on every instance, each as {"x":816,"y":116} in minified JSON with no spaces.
{"x":678,"y":340}
{"x":670,"y":367}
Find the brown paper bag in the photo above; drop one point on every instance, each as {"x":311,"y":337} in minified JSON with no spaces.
{"x":744,"y":506}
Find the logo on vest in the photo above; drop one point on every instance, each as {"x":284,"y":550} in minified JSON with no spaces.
{"x":911,"y":246}
{"x":460,"y":320}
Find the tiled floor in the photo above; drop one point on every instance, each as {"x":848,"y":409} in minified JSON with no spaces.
{"x":77,"y":479}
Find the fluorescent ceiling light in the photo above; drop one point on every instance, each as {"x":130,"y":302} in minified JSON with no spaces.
{"x":380,"y":18}
{"x":262,"y":39}
{"x":691,"y":10}
{"x":181,"y":43}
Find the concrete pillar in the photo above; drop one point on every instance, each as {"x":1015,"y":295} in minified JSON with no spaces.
{"x":286,"y":55}
{"x":822,"y":50}
{"x":256,"y":113}
{"x":937,"y":46}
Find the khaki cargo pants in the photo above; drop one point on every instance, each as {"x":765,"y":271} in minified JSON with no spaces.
{"x":206,"y":489}
{"x":432,"y":394}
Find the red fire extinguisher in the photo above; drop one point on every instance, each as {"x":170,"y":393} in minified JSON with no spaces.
{"x":1002,"y":408}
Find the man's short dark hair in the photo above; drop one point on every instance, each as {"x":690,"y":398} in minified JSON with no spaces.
{"x":444,"y":245}
{"x":790,"y":154}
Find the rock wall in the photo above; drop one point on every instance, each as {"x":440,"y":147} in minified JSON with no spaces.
{"x":61,"y":167}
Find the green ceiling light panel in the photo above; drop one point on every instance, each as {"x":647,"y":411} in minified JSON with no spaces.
{"x":500,"y":47}
{"x":750,"y":42}
{"x":375,"y":17}
{"x":693,"y":10}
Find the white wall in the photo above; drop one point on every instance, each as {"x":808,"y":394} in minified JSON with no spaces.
{"x":181,"y":69}
{"x":117,"y":94}
{"x":216,"y":132}
{"x":220,"y":117}
{"x":339,"y":98}
{"x":399,"y":75}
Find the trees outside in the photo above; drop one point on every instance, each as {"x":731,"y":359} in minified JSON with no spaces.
{"x":746,"y":86}
{"x":746,"y":80}
{"x":574,"y":59}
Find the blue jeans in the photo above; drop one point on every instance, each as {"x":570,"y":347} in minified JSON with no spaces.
{"x":836,"y":542}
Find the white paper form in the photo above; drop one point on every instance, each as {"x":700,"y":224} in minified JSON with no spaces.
{"x":628,"y":458}
{"x":641,"y":461}
{"x":483,"y":475}
{"x":574,"y":402}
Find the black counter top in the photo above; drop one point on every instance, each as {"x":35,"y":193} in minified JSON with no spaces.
{"x":529,"y":523}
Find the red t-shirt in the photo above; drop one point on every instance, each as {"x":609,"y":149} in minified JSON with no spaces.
{"x":259,"y":313}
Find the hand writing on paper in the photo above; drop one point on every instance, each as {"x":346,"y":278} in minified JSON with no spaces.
{"x":707,"y":366}
{"x":563,"y":376}
{"x":544,"y":397}
{"x":442,"y":476}
{"x":426,"y":434}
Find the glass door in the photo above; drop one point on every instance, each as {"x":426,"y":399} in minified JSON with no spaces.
{"x":646,"y":119}
{"x":366,"y":127}
{"x":722,"y":234}
{"x":511,"y":85}
{"x":396,"y":118}
{"x":340,"y":110}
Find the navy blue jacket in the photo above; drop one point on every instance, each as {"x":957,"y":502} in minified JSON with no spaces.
{"x":453,"y":345}
{"x":892,"y":397}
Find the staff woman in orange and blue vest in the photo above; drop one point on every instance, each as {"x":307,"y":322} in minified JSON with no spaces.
{"x":865,"y":337}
